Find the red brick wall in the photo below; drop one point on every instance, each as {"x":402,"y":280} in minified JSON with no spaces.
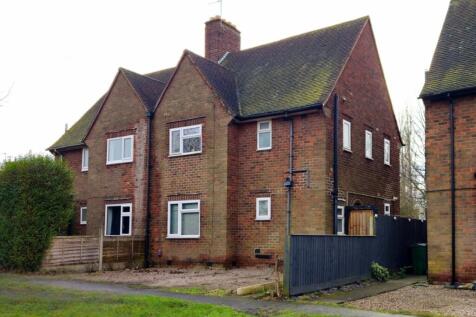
{"x":74,"y":160}
{"x":364,"y":101}
{"x":122,"y":114}
{"x":438,"y":185}
{"x":188,"y":101}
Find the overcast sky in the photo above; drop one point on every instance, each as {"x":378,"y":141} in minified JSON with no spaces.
{"x":60,"y":56}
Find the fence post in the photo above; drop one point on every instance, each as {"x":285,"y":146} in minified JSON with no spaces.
{"x":101,"y":241}
{"x":81,"y":250}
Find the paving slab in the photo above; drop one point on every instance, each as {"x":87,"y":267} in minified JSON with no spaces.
{"x":247,"y":305}
{"x":372,"y":290}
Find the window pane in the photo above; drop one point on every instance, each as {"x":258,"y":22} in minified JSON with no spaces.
{"x":173,"y":225}
{"x":340,"y":212}
{"x":263,"y":208}
{"x":115,"y":150}
{"x":346,"y":134}
{"x":126,"y":209}
{"x":191,"y":131}
{"x":340,"y":225}
{"x":190,"y":223}
{"x":264,"y":125}
{"x":192,"y":145}
{"x":190,"y":206}
{"x":264,"y":140}
{"x":113,"y":220}
{"x":125,"y":224}
{"x":85,"y":158}
{"x":175,"y":141}
{"x":84,"y":214}
{"x":128,"y":148}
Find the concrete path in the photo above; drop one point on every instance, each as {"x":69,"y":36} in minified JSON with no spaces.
{"x":372,"y":290}
{"x":247,"y":305}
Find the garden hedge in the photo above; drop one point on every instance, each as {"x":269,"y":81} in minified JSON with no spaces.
{"x":36,"y":203}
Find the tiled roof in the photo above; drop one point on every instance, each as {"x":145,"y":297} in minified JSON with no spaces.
{"x":453,"y":67}
{"x":221,"y":79}
{"x":292,"y":73}
{"x":147,"y":86}
{"x":286,"y":75}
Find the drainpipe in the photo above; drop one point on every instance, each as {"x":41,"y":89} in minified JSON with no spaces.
{"x":288,"y":184}
{"x":453,"y":194}
{"x":150,"y":115}
{"x":335,"y":163}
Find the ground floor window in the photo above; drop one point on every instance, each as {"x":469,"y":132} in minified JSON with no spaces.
{"x":340,"y":220}
{"x":386,"y":208}
{"x":263,"y":208}
{"x":118,"y":220}
{"x":83,"y":215}
{"x":184,"y":219}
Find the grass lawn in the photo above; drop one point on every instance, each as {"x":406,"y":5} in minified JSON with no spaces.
{"x":18,"y":297}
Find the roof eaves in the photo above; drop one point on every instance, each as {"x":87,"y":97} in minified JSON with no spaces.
{"x":278,"y":113}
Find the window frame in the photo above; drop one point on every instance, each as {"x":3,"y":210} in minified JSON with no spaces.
{"x":385,"y":205}
{"x":366,"y":150}
{"x":181,"y":153}
{"x":258,"y":216}
{"x":341,"y":217}
{"x":85,"y":154}
{"x":386,"y":151}
{"x":123,"y":160}
{"x":346,"y":147}
{"x":81,"y":221}
{"x":120,"y":228}
{"x":180,"y":211}
{"x":259,"y":131}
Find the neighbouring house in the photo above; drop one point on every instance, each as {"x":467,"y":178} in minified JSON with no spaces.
{"x":449,"y":95}
{"x":207,"y":158}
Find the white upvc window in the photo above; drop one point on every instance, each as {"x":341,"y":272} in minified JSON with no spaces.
{"x":120,"y":150}
{"x":263,"y":208}
{"x":368,"y":144}
{"x":386,"y":151}
{"x":340,"y":220}
{"x":264,"y":137}
{"x":386,"y":209}
{"x":185,"y":140}
{"x":83,"y":215}
{"x":346,"y":135}
{"x":183,"y":219}
{"x":118,"y":220}
{"x":85,"y":160}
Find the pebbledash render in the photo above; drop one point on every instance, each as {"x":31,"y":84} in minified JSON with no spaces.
{"x":197,"y":155}
{"x":449,"y":95}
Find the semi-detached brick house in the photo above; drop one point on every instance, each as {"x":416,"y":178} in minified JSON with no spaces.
{"x":449,"y":95}
{"x":220,"y":136}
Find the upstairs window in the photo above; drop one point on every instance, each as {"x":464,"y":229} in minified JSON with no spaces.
{"x":263,"y":208}
{"x":346,"y":135}
{"x":368,"y":144}
{"x":264,"y":135}
{"x":83,"y":215}
{"x":386,"y":209}
{"x":119,"y":150}
{"x":118,"y":220}
{"x":85,"y":160}
{"x":185,"y":140}
{"x":386,"y":152}
{"x":184,"y":219}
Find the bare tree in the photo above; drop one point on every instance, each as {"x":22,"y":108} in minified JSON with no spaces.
{"x":412,"y":162}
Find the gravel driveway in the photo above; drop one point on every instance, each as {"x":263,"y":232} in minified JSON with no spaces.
{"x":423,"y":298}
{"x":170,"y":277}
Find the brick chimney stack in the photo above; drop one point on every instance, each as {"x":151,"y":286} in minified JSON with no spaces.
{"x":220,"y":37}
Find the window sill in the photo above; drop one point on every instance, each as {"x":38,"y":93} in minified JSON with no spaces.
{"x":183,"y":237}
{"x":119,"y":162}
{"x":263,"y":219}
{"x":83,"y":223}
{"x":369,"y":158}
{"x":347,"y":150}
{"x":117,"y":235}
{"x":264,"y":149}
{"x":386,"y":164}
{"x":185,"y":154}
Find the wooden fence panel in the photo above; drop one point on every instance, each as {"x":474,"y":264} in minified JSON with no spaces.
{"x":323,"y":261}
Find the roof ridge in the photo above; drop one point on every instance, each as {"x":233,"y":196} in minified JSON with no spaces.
{"x":293,"y":37}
